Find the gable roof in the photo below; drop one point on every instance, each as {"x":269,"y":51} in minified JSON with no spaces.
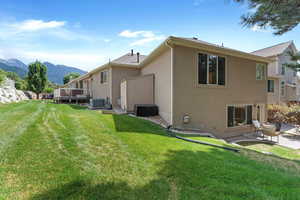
{"x":128,"y":59}
{"x":273,"y":50}
{"x":201,"y":45}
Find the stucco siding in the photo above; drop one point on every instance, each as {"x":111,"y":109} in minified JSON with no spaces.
{"x":291,"y":93}
{"x":273,"y":68}
{"x":119,"y":74}
{"x":101,"y":90}
{"x":207,"y":106}
{"x":139,"y":90}
{"x":161,"y":68}
{"x":274,"y":97}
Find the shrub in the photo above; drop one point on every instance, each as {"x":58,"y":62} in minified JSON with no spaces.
{"x":284,"y":113}
{"x":2,"y":76}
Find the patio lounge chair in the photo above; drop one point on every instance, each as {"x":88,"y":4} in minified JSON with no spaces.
{"x":270,"y":130}
{"x":257,"y":126}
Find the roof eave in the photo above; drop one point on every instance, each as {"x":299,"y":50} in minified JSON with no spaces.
{"x":207,"y":47}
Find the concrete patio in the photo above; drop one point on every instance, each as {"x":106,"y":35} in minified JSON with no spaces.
{"x":288,"y":138}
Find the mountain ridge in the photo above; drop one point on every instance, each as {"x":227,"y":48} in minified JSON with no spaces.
{"x":55,"y":72}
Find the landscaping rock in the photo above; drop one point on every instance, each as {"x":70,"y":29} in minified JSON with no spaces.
{"x":9,"y":94}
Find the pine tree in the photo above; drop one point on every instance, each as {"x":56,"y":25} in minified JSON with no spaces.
{"x":281,"y":15}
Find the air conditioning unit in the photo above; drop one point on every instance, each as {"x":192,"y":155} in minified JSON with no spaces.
{"x":97,"y":103}
{"x":145,"y":110}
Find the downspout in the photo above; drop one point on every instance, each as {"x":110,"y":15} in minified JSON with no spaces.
{"x":172,"y":76}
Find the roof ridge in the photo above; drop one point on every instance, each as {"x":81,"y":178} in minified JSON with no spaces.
{"x":290,"y":41}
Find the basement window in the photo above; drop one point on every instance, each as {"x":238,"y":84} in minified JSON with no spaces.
{"x":239,"y":115}
{"x":211,"y":69}
{"x":103,"y":77}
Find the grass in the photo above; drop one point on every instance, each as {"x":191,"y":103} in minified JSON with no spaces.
{"x":50,"y":151}
{"x":277,"y":150}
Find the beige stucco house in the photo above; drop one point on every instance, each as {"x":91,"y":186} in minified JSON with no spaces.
{"x":283,"y":86}
{"x":195,"y":84}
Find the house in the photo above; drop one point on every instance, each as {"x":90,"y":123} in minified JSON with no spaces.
{"x":104,"y":81}
{"x":195,"y":84}
{"x":283,"y":84}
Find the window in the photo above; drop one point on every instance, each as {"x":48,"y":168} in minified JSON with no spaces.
{"x":77,"y":85}
{"x":282,"y":70}
{"x":239,"y":115}
{"x":282,"y":88}
{"x":211,"y":69}
{"x":270,"y":85}
{"x":260,"y":71}
{"x":103,"y":77}
{"x":81,"y":84}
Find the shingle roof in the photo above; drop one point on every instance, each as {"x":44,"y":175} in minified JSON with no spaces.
{"x":273,"y":50}
{"x":129,"y":59}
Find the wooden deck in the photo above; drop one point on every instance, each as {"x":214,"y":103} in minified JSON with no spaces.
{"x":71,"y":95}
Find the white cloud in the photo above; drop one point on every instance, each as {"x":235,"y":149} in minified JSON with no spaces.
{"x":36,"y":25}
{"x":144,"y":37}
{"x":135,"y":34}
{"x":29,"y":30}
{"x":147,"y":40}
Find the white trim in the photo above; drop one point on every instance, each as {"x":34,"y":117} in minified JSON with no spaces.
{"x":172,"y":81}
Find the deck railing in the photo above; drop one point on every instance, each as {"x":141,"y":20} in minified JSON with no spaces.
{"x":71,"y":92}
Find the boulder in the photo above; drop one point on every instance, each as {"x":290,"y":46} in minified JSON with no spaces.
{"x":9,"y":94}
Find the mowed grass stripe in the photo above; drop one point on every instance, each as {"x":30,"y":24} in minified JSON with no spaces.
{"x":16,"y":124}
{"x":72,"y":153}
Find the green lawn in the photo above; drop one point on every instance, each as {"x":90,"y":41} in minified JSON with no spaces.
{"x":50,"y":151}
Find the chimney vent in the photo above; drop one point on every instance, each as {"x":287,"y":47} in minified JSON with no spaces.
{"x":195,"y":38}
{"x":131,"y":52}
{"x":137,"y":57}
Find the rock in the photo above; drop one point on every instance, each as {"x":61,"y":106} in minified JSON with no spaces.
{"x":9,"y":94}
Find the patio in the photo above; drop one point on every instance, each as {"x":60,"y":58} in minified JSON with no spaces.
{"x":288,"y":138}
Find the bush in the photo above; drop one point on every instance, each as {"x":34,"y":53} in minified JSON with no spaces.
{"x":2,"y":76}
{"x":284,"y":113}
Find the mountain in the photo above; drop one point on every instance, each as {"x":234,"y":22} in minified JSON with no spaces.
{"x":56,"y":73}
{"x":17,"y":63}
{"x":21,"y":72}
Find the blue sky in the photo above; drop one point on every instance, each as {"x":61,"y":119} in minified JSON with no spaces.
{"x":87,"y":33}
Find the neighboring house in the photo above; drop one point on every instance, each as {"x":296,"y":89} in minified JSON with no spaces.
{"x":195,"y":84}
{"x":283,"y":84}
{"x":104,"y":81}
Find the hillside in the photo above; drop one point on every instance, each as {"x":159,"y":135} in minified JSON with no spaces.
{"x":21,"y":72}
{"x":67,"y":152}
{"x":55,"y":72}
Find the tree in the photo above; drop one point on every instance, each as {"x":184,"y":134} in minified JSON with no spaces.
{"x":281,"y":15}
{"x":20,"y":84}
{"x":37,"y":77}
{"x":70,"y":76}
{"x":295,"y":57}
{"x":2,"y":76}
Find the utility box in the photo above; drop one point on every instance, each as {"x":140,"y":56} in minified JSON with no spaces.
{"x":145,"y":110}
